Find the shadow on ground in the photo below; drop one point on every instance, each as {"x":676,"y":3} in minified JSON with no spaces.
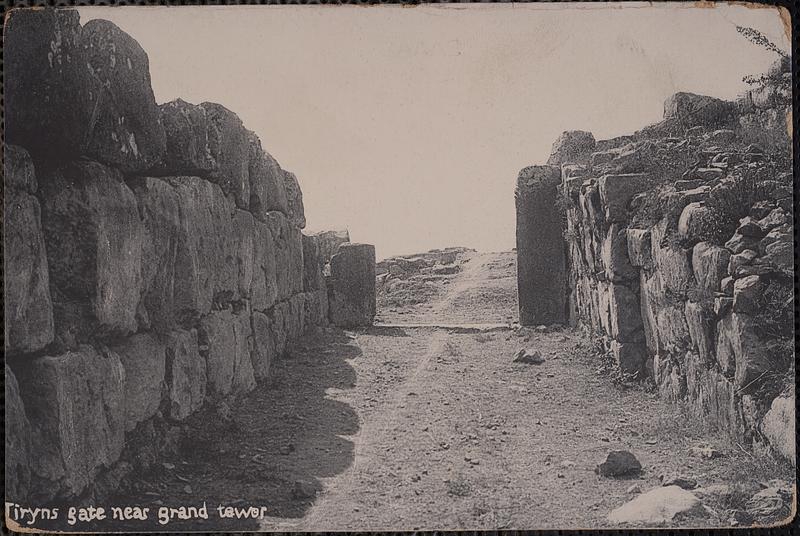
{"x":269,"y":450}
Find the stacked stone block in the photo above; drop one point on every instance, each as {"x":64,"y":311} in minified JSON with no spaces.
{"x":154,"y":254}
{"x":664,"y":300}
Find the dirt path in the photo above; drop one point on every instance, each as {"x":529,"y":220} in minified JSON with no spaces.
{"x":393,"y":428}
{"x":455,"y":435}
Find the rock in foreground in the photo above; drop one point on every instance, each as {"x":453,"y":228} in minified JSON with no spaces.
{"x":657,"y":506}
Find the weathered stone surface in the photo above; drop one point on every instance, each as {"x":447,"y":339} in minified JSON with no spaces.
{"x":329,"y":242}
{"x":243,"y":251}
{"x":93,"y":237}
{"x":619,"y":463}
{"x":288,"y":248}
{"x":775,"y":218}
{"x":75,"y":404}
{"x":279,"y":323}
{"x":615,"y":255}
{"x":616,"y":192}
{"x":639,"y":247}
{"x":739,"y":242}
{"x":316,"y":308}
{"x":267,"y":186}
{"x":693,"y":221}
{"x":672,"y":263}
{"x":351,"y":287}
{"x":226,"y":337}
{"x":748,"y":227}
{"x":747,"y":294}
{"x":17,"y":442}
{"x":571,"y":147}
{"x":265,"y":286}
{"x":740,"y":260}
{"x":142,"y":356}
{"x":19,"y":173}
{"x":189,"y":252}
{"x":28,"y":309}
{"x":185,"y":374}
{"x":626,"y":319}
{"x":232,"y":143}
{"x":541,"y":248}
{"x":264,"y":349}
{"x":125,"y":130}
{"x":294,"y":200}
{"x":700,"y":322}
{"x":778,"y":426}
{"x":691,"y":110}
{"x":737,"y":337}
{"x":673,"y":332}
{"x":192,"y":140}
{"x":659,"y":506}
{"x":73,"y":91}
{"x":726,"y":286}
{"x":710,"y":265}
{"x":312,"y":264}
{"x":296,"y":325}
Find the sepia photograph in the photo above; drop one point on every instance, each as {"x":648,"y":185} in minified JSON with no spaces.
{"x":310,"y":268}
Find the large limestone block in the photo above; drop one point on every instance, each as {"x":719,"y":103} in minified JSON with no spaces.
{"x":673,"y":331}
{"x":44,"y":66}
{"x":76,"y":406}
{"x":294,"y":200}
{"x":296,"y":325}
{"x":649,"y":291}
{"x":351,"y":288}
{"x":691,"y":110}
{"x":288,"y":247}
{"x":267,"y":186}
{"x":572,"y":147}
{"x":700,"y":321}
{"x":312,"y":265}
{"x":159,"y":208}
{"x":316,"y":308}
{"x":671,"y":262}
{"x":232,"y":143}
{"x":264,"y":349}
{"x":143,"y":359}
{"x":190,"y":256}
{"x":748,"y":293}
{"x":740,"y":351}
{"x":72,"y":91}
{"x":192,"y":140}
{"x":185,"y":374}
{"x":244,"y":251}
{"x":541,"y":248}
{"x":710,"y":265}
{"x":93,"y":237}
{"x":279,"y":322}
{"x":264,"y":291}
{"x":693,"y":221}
{"x":616,"y":192}
{"x":329,"y":242}
{"x":615,"y":255}
{"x":625,"y":313}
{"x":227,"y":339}
{"x":778,"y":426}
{"x":639,"y":247}
{"x":28,"y":309}
{"x":17,"y":442}
{"x":125,"y":130}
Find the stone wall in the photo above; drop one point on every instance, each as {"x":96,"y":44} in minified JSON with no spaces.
{"x":154,"y":256}
{"x":680,"y":261}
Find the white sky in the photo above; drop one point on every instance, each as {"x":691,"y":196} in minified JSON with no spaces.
{"x":408,"y":125}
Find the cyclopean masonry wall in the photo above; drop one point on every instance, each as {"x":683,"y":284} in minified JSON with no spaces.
{"x":154,"y":258}
{"x":702,"y":308}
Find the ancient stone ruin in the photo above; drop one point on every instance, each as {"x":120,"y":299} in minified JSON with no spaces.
{"x":678,"y":256}
{"x":154,"y":258}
